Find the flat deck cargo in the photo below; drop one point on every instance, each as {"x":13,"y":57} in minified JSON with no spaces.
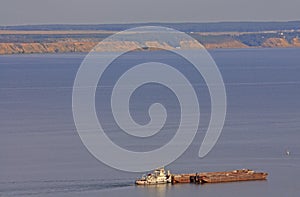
{"x":232,"y":176}
{"x":219,"y":177}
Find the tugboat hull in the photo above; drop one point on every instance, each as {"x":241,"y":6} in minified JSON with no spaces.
{"x":159,"y":176}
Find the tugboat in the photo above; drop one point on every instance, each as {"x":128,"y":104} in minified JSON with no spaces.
{"x":159,"y":176}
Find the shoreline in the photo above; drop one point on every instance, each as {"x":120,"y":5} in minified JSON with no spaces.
{"x":85,"y":47}
{"x":20,"y":52}
{"x":71,"y":41}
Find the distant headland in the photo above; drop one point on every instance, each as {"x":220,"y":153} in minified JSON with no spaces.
{"x":83,"y":38}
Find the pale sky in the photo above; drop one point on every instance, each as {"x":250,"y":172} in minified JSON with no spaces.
{"x":20,"y":12}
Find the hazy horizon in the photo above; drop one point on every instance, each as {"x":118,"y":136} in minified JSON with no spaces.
{"x":34,"y":12}
{"x":150,"y":22}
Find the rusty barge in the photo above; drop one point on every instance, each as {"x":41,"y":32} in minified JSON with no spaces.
{"x":161,"y":177}
{"x":219,"y":177}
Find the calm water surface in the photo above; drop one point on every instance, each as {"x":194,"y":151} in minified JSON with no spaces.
{"x":41,"y":153}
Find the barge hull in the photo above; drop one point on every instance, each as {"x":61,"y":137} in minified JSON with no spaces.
{"x":220,"y":177}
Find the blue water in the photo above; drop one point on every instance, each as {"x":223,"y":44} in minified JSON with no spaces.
{"x":41,"y":153}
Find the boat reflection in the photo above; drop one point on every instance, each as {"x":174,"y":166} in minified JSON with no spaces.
{"x":159,"y":190}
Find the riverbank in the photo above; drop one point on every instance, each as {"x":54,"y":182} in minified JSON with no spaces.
{"x":87,"y":46}
{"x":68,"y":41}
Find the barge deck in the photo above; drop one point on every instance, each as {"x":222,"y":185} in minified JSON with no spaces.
{"x":219,"y":177}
